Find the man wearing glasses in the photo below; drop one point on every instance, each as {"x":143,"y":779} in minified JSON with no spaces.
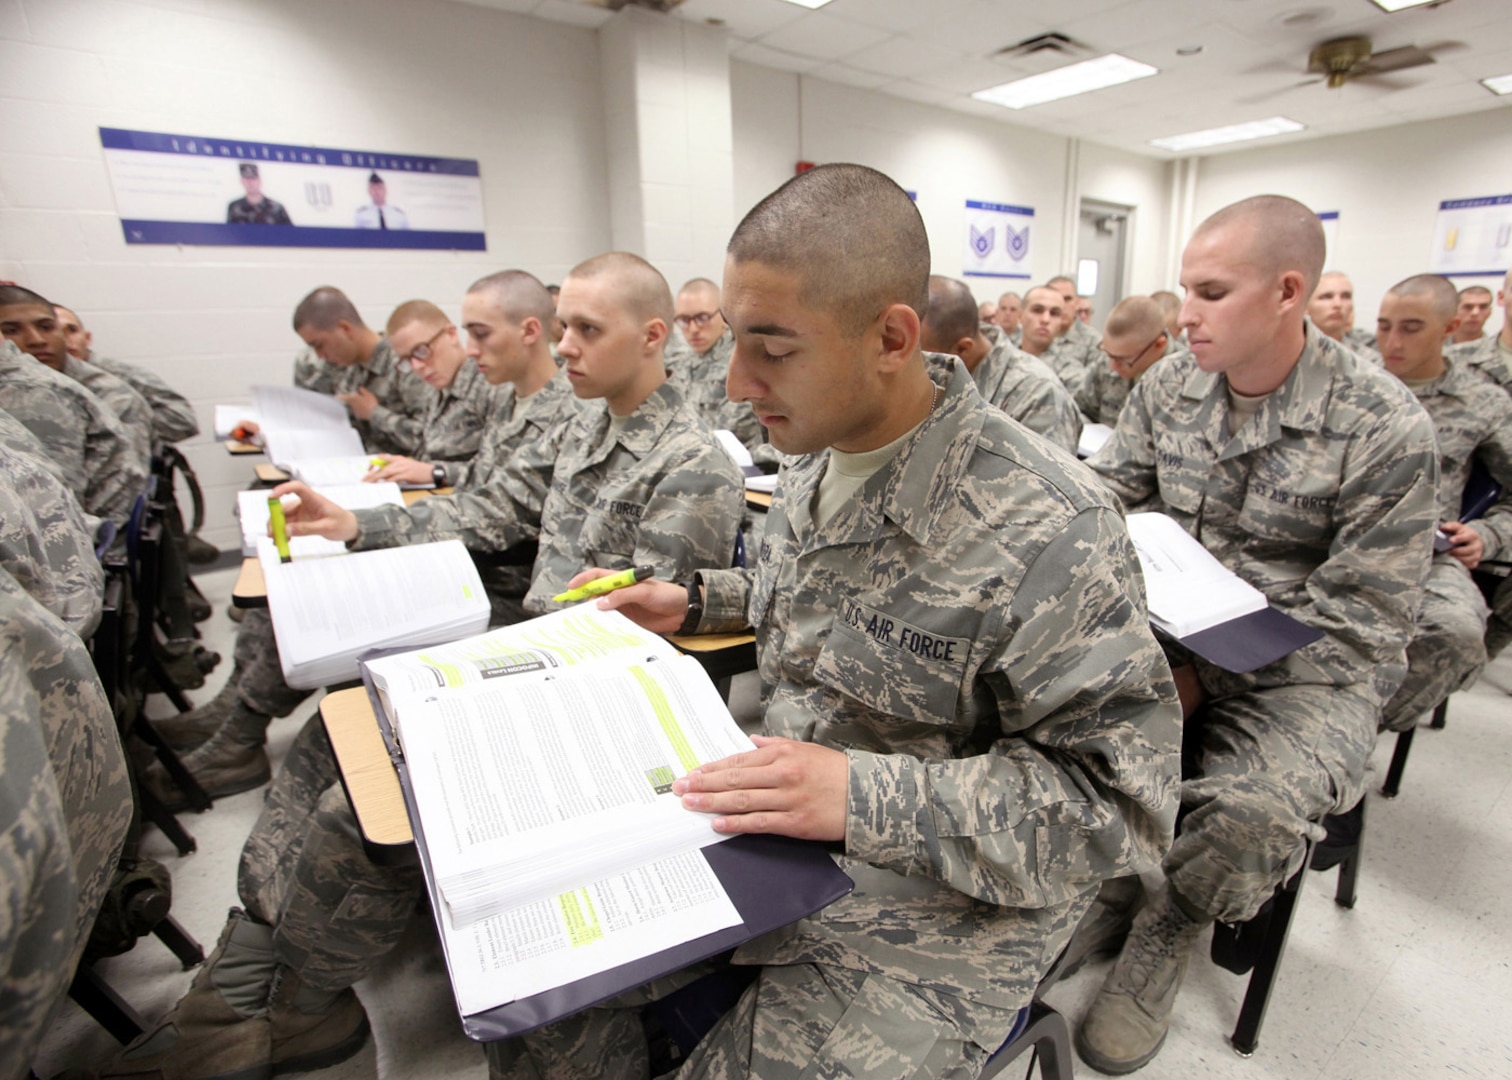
{"x":424,"y":339}
{"x":388,"y":404}
{"x":700,"y":371}
{"x":1134,"y":338}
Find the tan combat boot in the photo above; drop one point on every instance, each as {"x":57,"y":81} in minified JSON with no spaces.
{"x":312,"y":1029}
{"x":230,"y":761}
{"x":1128,"y":1019}
{"x":219,"y":1030}
{"x":1102,"y":930}
{"x":188,"y":730}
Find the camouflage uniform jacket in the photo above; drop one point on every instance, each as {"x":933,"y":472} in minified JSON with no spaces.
{"x":397,"y":424}
{"x":1325,"y":501}
{"x":516,"y":422}
{"x":1363,"y":342}
{"x":1024,"y":388}
{"x":130,"y":407}
{"x":46,"y":543}
{"x":1472,"y":418}
{"x":313,"y":373}
{"x":653,"y":490}
{"x":1071,"y":358}
{"x":459,"y":417}
{"x":971,"y":630}
{"x":266,"y":212}
{"x":52,"y":880}
{"x":81,"y":435}
{"x":1101,"y":398}
{"x":701,"y":378}
{"x":1488,"y":356}
{"x":173,"y":417}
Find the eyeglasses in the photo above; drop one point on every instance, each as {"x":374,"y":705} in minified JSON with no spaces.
{"x":421,"y":352}
{"x":1129,"y":361}
{"x":702,"y":319}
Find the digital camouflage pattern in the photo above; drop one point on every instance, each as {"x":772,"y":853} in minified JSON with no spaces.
{"x":1471,"y":418}
{"x":1024,"y":388}
{"x":1010,"y":747}
{"x":459,"y":417}
{"x":130,"y":407}
{"x":46,"y":543}
{"x":81,"y":435}
{"x":1326,"y":502}
{"x":313,"y":373}
{"x":63,"y":814}
{"x":1103,"y":393}
{"x":701,"y":378}
{"x":1071,"y":357}
{"x":263,"y":212}
{"x":173,"y":417}
{"x":398,"y":422}
{"x":1488,"y":356}
{"x":653,"y":488}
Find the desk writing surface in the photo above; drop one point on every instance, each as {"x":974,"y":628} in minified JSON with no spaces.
{"x":412,"y":497}
{"x":235,"y":446}
{"x":367,"y":773}
{"x":699,"y":643}
{"x":759,"y":500}
{"x":269,"y":474}
{"x":251,"y":588}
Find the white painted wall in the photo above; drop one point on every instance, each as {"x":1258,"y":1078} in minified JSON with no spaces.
{"x":1385,"y":184}
{"x":410,"y":76}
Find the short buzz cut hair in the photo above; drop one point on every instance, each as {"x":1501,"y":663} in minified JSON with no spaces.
{"x":517,"y":295}
{"x":1136,"y":316}
{"x":1438,"y":289}
{"x":952,"y":313}
{"x":1284,"y":235}
{"x":323,"y":308}
{"x":1473,"y":289}
{"x":20,"y":294}
{"x":850,"y":234}
{"x":420,"y":311}
{"x":1071,"y":281}
{"x":644,"y":292}
{"x":698,"y":283}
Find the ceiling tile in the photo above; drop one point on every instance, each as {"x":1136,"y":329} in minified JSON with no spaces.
{"x":745,"y":19}
{"x":897,"y":16}
{"x":902,"y":57}
{"x":868,"y":80}
{"x":775,"y":58}
{"x":573,"y":12}
{"x":823,"y":37}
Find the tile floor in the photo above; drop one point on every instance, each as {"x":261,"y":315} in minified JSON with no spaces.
{"x":1416,"y":981}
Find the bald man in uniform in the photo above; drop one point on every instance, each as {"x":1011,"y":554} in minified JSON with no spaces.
{"x":1332,"y":311}
{"x":1006,"y":377}
{"x":1312,"y":475}
{"x":699,"y":372}
{"x":1475,"y":304}
{"x":909,"y":511}
{"x":1133,"y":340}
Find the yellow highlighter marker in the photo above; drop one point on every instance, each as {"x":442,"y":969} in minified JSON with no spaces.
{"x":377,"y":463}
{"x":600,"y":586}
{"x":280,"y":528}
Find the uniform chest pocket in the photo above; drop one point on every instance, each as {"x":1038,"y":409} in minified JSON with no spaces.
{"x":892,"y":666}
{"x":610,"y":531}
{"x":1290,"y":505}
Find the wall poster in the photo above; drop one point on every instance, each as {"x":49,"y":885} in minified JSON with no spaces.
{"x":190,"y":189}
{"x":1473,"y":237}
{"x":997,"y":240}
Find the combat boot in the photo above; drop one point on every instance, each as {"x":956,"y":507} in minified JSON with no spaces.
{"x":219,"y":1030}
{"x":310,"y":1028}
{"x":1103,"y":928}
{"x":187,"y":730}
{"x":1128,"y":1019}
{"x":230,"y":761}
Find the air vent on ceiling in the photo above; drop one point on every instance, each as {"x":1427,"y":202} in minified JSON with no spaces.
{"x":654,"y":5}
{"x":1052,"y":43}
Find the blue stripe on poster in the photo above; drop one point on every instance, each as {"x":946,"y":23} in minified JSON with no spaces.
{"x":194,"y":232}
{"x":245,"y":150}
{"x":988,"y":273}
{"x":1002,"y":208}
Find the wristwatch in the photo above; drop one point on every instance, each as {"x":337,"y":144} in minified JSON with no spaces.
{"x":438,"y":475}
{"x":695,"y":606}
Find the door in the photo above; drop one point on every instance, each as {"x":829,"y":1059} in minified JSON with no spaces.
{"x":1101,"y":251}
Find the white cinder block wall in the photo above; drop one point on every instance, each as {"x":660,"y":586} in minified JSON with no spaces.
{"x":521,"y":95}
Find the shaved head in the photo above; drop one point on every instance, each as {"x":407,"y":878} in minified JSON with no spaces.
{"x":852,"y":237}
{"x":952,"y":314}
{"x":1275,"y":233}
{"x":639,"y":285}
{"x":323,"y":308}
{"x":1136,"y":317}
{"x":1474,"y":290}
{"x":423,"y":312}
{"x":700,"y":285}
{"x":516,"y":295}
{"x":1439,"y":290}
{"x":19,"y":294}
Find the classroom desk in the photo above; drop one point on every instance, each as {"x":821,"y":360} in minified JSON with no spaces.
{"x":233,"y":446}
{"x":268,"y":475}
{"x":760,"y":501}
{"x":367,"y":773}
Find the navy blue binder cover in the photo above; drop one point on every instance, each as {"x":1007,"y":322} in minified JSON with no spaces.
{"x":1251,"y":641}
{"x":771,"y":880}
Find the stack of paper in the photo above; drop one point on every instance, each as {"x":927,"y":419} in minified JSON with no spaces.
{"x":1093,"y":436}
{"x":300,"y":427}
{"x":252,"y":509}
{"x":328,"y":611}
{"x":1188,"y":589}
{"x":227,"y":417}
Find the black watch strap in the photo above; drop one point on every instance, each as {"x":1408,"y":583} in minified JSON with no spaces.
{"x":438,"y":475}
{"x":695,"y":606}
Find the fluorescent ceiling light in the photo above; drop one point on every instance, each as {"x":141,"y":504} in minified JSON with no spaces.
{"x":1255,"y":129}
{"x":1067,"y":82}
{"x":1498,"y":84}
{"x":1401,"y":5}
{"x":809,"y":3}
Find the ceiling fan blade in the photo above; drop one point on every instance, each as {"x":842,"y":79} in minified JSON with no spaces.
{"x":1382,"y":82}
{"x":1256,"y":99}
{"x":1408,"y":56}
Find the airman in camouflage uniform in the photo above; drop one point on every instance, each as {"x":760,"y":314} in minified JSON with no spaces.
{"x":117,"y":394}
{"x":313,"y":373}
{"x":982,"y":747}
{"x":65,"y":804}
{"x":1332,"y":311}
{"x":1006,"y":377}
{"x":1472,"y":419}
{"x":1325,"y":500}
{"x":1134,"y":339}
{"x":45,"y":540}
{"x":83,"y":436}
{"x":636,"y":483}
{"x":172,"y":417}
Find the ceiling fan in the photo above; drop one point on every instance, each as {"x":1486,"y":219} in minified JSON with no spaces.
{"x":662,"y":6}
{"x":1353,"y":59}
